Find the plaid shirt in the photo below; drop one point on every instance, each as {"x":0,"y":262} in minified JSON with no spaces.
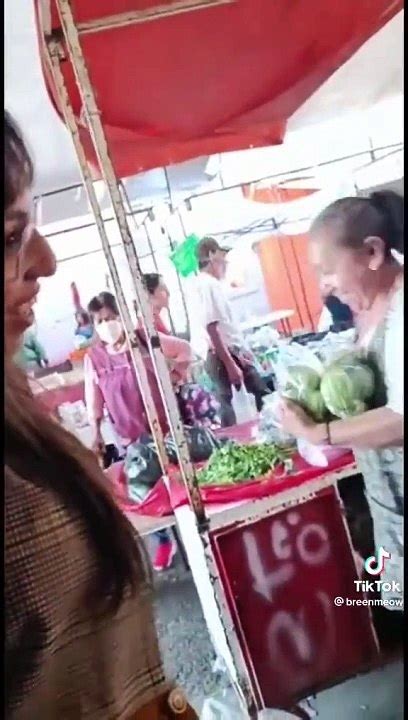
{"x":63,"y":661}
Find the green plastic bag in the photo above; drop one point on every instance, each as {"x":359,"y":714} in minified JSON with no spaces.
{"x":184,"y":257}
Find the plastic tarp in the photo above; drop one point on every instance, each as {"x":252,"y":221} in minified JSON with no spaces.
{"x":213,"y":80}
{"x":275,"y":194}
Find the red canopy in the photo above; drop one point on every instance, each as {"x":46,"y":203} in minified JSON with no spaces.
{"x":213,"y":80}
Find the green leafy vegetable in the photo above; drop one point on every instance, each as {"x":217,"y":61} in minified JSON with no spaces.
{"x":303,"y":387}
{"x":348,"y":388}
{"x":301,"y":381}
{"x":238,"y":463}
{"x":315,"y":406}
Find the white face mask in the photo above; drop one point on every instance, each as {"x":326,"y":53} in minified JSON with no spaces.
{"x":110,"y":331}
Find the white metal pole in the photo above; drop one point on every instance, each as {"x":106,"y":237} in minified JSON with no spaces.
{"x":243,"y":686}
{"x":241,"y":681}
{"x":53,"y":57}
{"x":93,"y":118}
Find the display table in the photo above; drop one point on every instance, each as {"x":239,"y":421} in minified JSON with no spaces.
{"x":158,"y":503}
{"x":272,"y":318}
{"x":56,"y":396}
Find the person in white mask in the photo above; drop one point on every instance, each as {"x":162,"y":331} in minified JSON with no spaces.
{"x":111,"y":383}
{"x":109,"y":378}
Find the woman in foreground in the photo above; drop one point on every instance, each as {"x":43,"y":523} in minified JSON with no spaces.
{"x":80,"y":636}
{"x":353,"y":245}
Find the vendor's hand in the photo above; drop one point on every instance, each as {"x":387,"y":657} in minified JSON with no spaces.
{"x":176,"y":378}
{"x":235,"y":375}
{"x":98,"y":444}
{"x":246,"y":357}
{"x":178,"y":373}
{"x":294,"y":420}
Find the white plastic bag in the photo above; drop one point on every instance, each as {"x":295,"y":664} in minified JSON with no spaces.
{"x":244,"y":405}
{"x":269,"y":426}
{"x":225,"y":706}
{"x":316,"y":355}
{"x":270,"y":430}
{"x":294,"y":355}
{"x":265,"y":337}
{"x":73,"y":415}
{"x":222,"y":706}
{"x":319,"y":455}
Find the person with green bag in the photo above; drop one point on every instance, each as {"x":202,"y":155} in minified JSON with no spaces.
{"x":31,"y":355}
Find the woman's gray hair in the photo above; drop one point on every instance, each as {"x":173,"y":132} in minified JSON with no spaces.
{"x":353,"y":219}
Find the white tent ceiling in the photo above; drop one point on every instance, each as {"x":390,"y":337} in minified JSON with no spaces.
{"x":375,"y":72}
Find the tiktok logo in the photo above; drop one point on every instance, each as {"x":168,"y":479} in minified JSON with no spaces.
{"x":375,"y":564}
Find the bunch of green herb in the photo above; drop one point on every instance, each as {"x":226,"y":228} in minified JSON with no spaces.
{"x":237,"y":463}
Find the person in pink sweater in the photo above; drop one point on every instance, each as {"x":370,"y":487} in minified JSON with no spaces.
{"x":111,"y":383}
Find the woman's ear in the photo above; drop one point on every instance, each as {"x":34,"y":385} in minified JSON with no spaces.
{"x":375,"y":247}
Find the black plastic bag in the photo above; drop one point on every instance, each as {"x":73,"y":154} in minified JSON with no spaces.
{"x":142,"y":468}
{"x":110,"y":456}
{"x":201,"y":443}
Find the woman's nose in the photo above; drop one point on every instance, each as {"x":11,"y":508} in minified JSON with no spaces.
{"x":39,"y":259}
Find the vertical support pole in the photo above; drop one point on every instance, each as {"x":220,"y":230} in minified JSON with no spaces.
{"x":197,"y":511}
{"x":95,"y":126}
{"x":53,"y":57}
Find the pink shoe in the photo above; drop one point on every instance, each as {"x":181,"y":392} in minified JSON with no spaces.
{"x":164,"y":556}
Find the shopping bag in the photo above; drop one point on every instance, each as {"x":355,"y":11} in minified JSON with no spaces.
{"x":244,"y":405}
{"x":142,"y":468}
{"x":225,"y":706}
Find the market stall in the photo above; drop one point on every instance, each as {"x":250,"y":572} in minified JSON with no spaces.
{"x":269,"y":565}
{"x":280,"y":550}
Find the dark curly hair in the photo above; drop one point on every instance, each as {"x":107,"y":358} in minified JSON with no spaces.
{"x":18,"y":166}
{"x":41,"y":451}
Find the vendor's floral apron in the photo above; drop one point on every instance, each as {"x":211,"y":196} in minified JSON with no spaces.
{"x":384,"y":483}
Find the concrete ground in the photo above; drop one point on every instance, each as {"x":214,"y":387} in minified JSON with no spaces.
{"x":376,"y":696}
{"x":189,"y":659}
{"x":186,"y":646}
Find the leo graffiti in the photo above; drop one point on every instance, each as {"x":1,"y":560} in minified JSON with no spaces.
{"x":291,"y":543}
{"x":265,"y":583}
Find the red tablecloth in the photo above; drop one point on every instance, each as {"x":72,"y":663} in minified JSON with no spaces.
{"x":52,"y":399}
{"x":158,"y":503}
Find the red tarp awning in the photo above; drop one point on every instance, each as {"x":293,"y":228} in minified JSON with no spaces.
{"x":213,"y":80}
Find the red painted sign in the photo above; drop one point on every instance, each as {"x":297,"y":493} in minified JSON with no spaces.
{"x":283,"y":575}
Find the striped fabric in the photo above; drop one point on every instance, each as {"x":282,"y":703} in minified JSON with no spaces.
{"x":63,"y":660}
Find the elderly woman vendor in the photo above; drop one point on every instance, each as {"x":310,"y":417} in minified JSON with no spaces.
{"x":353,"y":245}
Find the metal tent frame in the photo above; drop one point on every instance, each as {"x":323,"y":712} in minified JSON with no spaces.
{"x":57,"y":48}
{"x":193,"y":521}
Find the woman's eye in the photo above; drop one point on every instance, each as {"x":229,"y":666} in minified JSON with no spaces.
{"x":14,"y":242}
